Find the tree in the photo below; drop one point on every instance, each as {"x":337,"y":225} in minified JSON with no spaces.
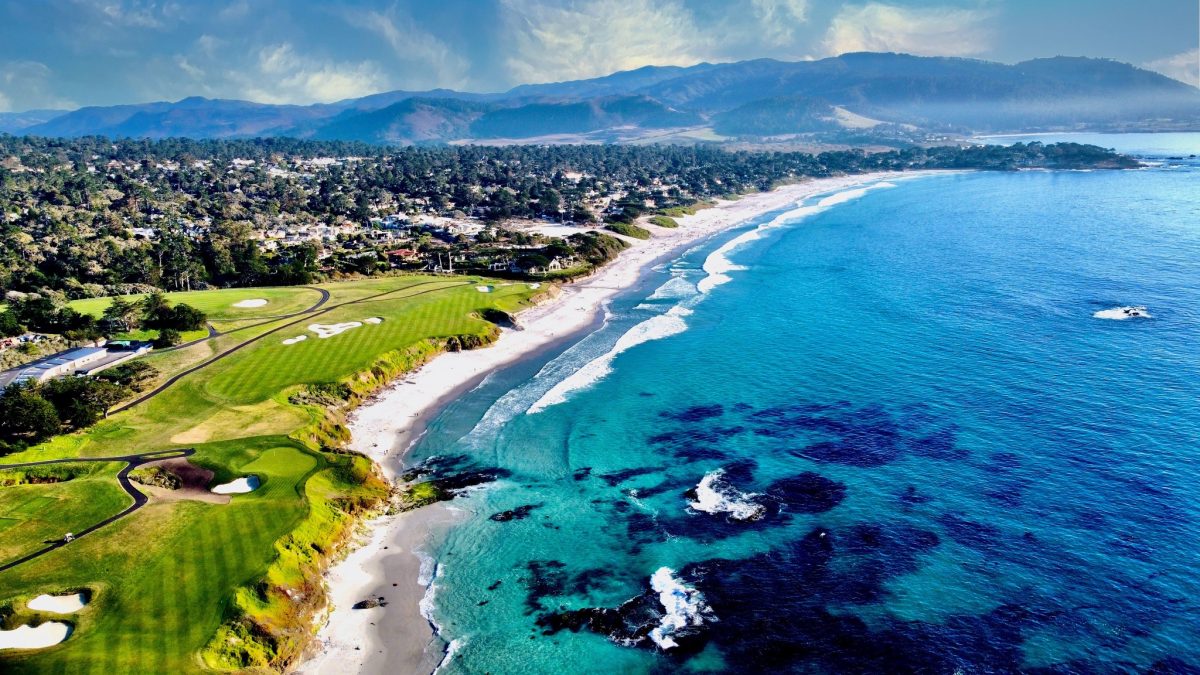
{"x":154,"y":307}
{"x":81,"y":401}
{"x":26,"y":416}
{"x":121,"y":315}
{"x":9,"y":326}
{"x":185,"y":317}
{"x":167,"y":337}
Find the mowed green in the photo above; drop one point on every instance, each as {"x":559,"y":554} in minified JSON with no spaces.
{"x":219,"y":304}
{"x":42,"y":513}
{"x":163,"y":578}
{"x":166,"y":576}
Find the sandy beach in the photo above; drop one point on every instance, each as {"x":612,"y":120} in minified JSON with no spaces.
{"x":397,"y":638}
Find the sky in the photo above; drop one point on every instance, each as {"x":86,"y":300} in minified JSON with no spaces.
{"x":72,"y":53}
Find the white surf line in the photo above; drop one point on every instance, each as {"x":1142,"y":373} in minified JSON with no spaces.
{"x":655,"y":328}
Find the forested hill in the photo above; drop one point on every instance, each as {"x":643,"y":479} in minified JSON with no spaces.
{"x":884,"y":95}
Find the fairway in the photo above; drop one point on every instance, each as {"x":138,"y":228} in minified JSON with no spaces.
{"x":219,"y":305}
{"x":172,"y":580}
{"x":38,"y":513}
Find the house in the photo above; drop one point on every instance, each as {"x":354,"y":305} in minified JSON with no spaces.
{"x":403,"y":255}
{"x":77,"y":361}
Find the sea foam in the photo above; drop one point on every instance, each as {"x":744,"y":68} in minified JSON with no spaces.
{"x":715,"y":495}
{"x":682,"y":607}
{"x":672,"y":322}
{"x":1123,"y":313}
{"x":718,"y":264}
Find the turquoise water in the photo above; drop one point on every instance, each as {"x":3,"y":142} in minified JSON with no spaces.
{"x":924,"y":452}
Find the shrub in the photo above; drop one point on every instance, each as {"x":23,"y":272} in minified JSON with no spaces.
{"x":629,"y":230}
{"x":167,"y":337}
{"x":663,"y":221}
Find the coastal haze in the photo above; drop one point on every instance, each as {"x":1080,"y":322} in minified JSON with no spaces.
{"x":573,"y":336}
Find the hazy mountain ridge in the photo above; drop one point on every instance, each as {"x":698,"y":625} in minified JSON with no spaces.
{"x":938,"y":94}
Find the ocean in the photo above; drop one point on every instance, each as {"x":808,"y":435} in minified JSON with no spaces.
{"x":946,"y":424}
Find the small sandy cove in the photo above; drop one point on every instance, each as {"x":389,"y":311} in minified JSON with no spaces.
{"x":396,"y":638}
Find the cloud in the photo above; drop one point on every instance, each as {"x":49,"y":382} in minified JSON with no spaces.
{"x":934,"y":31}
{"x":281,"y":75}
{"x":133,"y":13}
{"x":779,"y":18}
{"x":573,"y":39}
{"x":25,"y":85}
{"x":1184,"y":67}
{"x":438,"y":62}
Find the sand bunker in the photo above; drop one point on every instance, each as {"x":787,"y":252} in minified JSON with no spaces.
{"x":328,"y":330}
{"x":35,"y":637}
{"x":484,"y":289}
{"x":193,"y":481}
{"x":238,"y":487}
{"x":535,"y":286}
{"x":253,"y":302}
{"x":294,"y":340}
{"x":373,"y":320}
{"x":58,"y":604}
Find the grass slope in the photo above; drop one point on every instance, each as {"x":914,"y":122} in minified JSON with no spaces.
{"x":184,"y":586}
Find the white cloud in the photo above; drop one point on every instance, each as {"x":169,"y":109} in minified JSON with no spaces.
{"x":25,"y":85}
{"x":133,"y":13}
{"x":1184,"y":67}
{"x":572,"y":39}
{"x":437,"y":64}
{"x":281,"y":75}
{"x":779,"y":18}
{"x":932,"y":31}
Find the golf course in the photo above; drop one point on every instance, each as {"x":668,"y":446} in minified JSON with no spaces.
{"x":182,"y":580}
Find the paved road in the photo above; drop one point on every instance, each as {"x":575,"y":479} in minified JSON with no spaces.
{"x":139,"y":499}
{"x":304,"y":316}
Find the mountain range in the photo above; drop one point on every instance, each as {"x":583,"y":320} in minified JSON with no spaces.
{"x":860,"y":94}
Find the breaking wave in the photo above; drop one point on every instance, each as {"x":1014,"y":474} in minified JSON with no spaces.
{"x":683,"y":607}
{"x":715,"y":495}
{"x":655,"y":328}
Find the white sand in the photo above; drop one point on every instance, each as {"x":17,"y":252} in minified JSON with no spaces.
{"x":29,"y":637}
{"x":238,"y":487}
{"x":58,"y":604}
{"x":484,"y":289}
{"x":383,"y":428}
{"x":246,"y":304}
{"x":373,"y":320}
{"x":328,"y":330}
{"x":294,"y":340}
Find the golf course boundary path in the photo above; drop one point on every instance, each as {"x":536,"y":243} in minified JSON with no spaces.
{"x":306,"y":315}
{"x":139,"y":499}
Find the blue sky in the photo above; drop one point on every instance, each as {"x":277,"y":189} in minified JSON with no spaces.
{"x":69,"y":53}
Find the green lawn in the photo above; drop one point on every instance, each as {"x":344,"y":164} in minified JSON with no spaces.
{"x":163,"y":578}
{"x":219,"y":304}
{"x":168,"y":576}
{"x":39,"y":513}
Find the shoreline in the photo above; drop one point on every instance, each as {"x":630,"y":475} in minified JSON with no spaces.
{"x":388,"y":561}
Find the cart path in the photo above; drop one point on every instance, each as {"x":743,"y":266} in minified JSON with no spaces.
{"x":304,"y":316}
{"x":139,"y":499}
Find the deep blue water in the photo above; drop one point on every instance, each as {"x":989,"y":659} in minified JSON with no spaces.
{"x":934,"y":456}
